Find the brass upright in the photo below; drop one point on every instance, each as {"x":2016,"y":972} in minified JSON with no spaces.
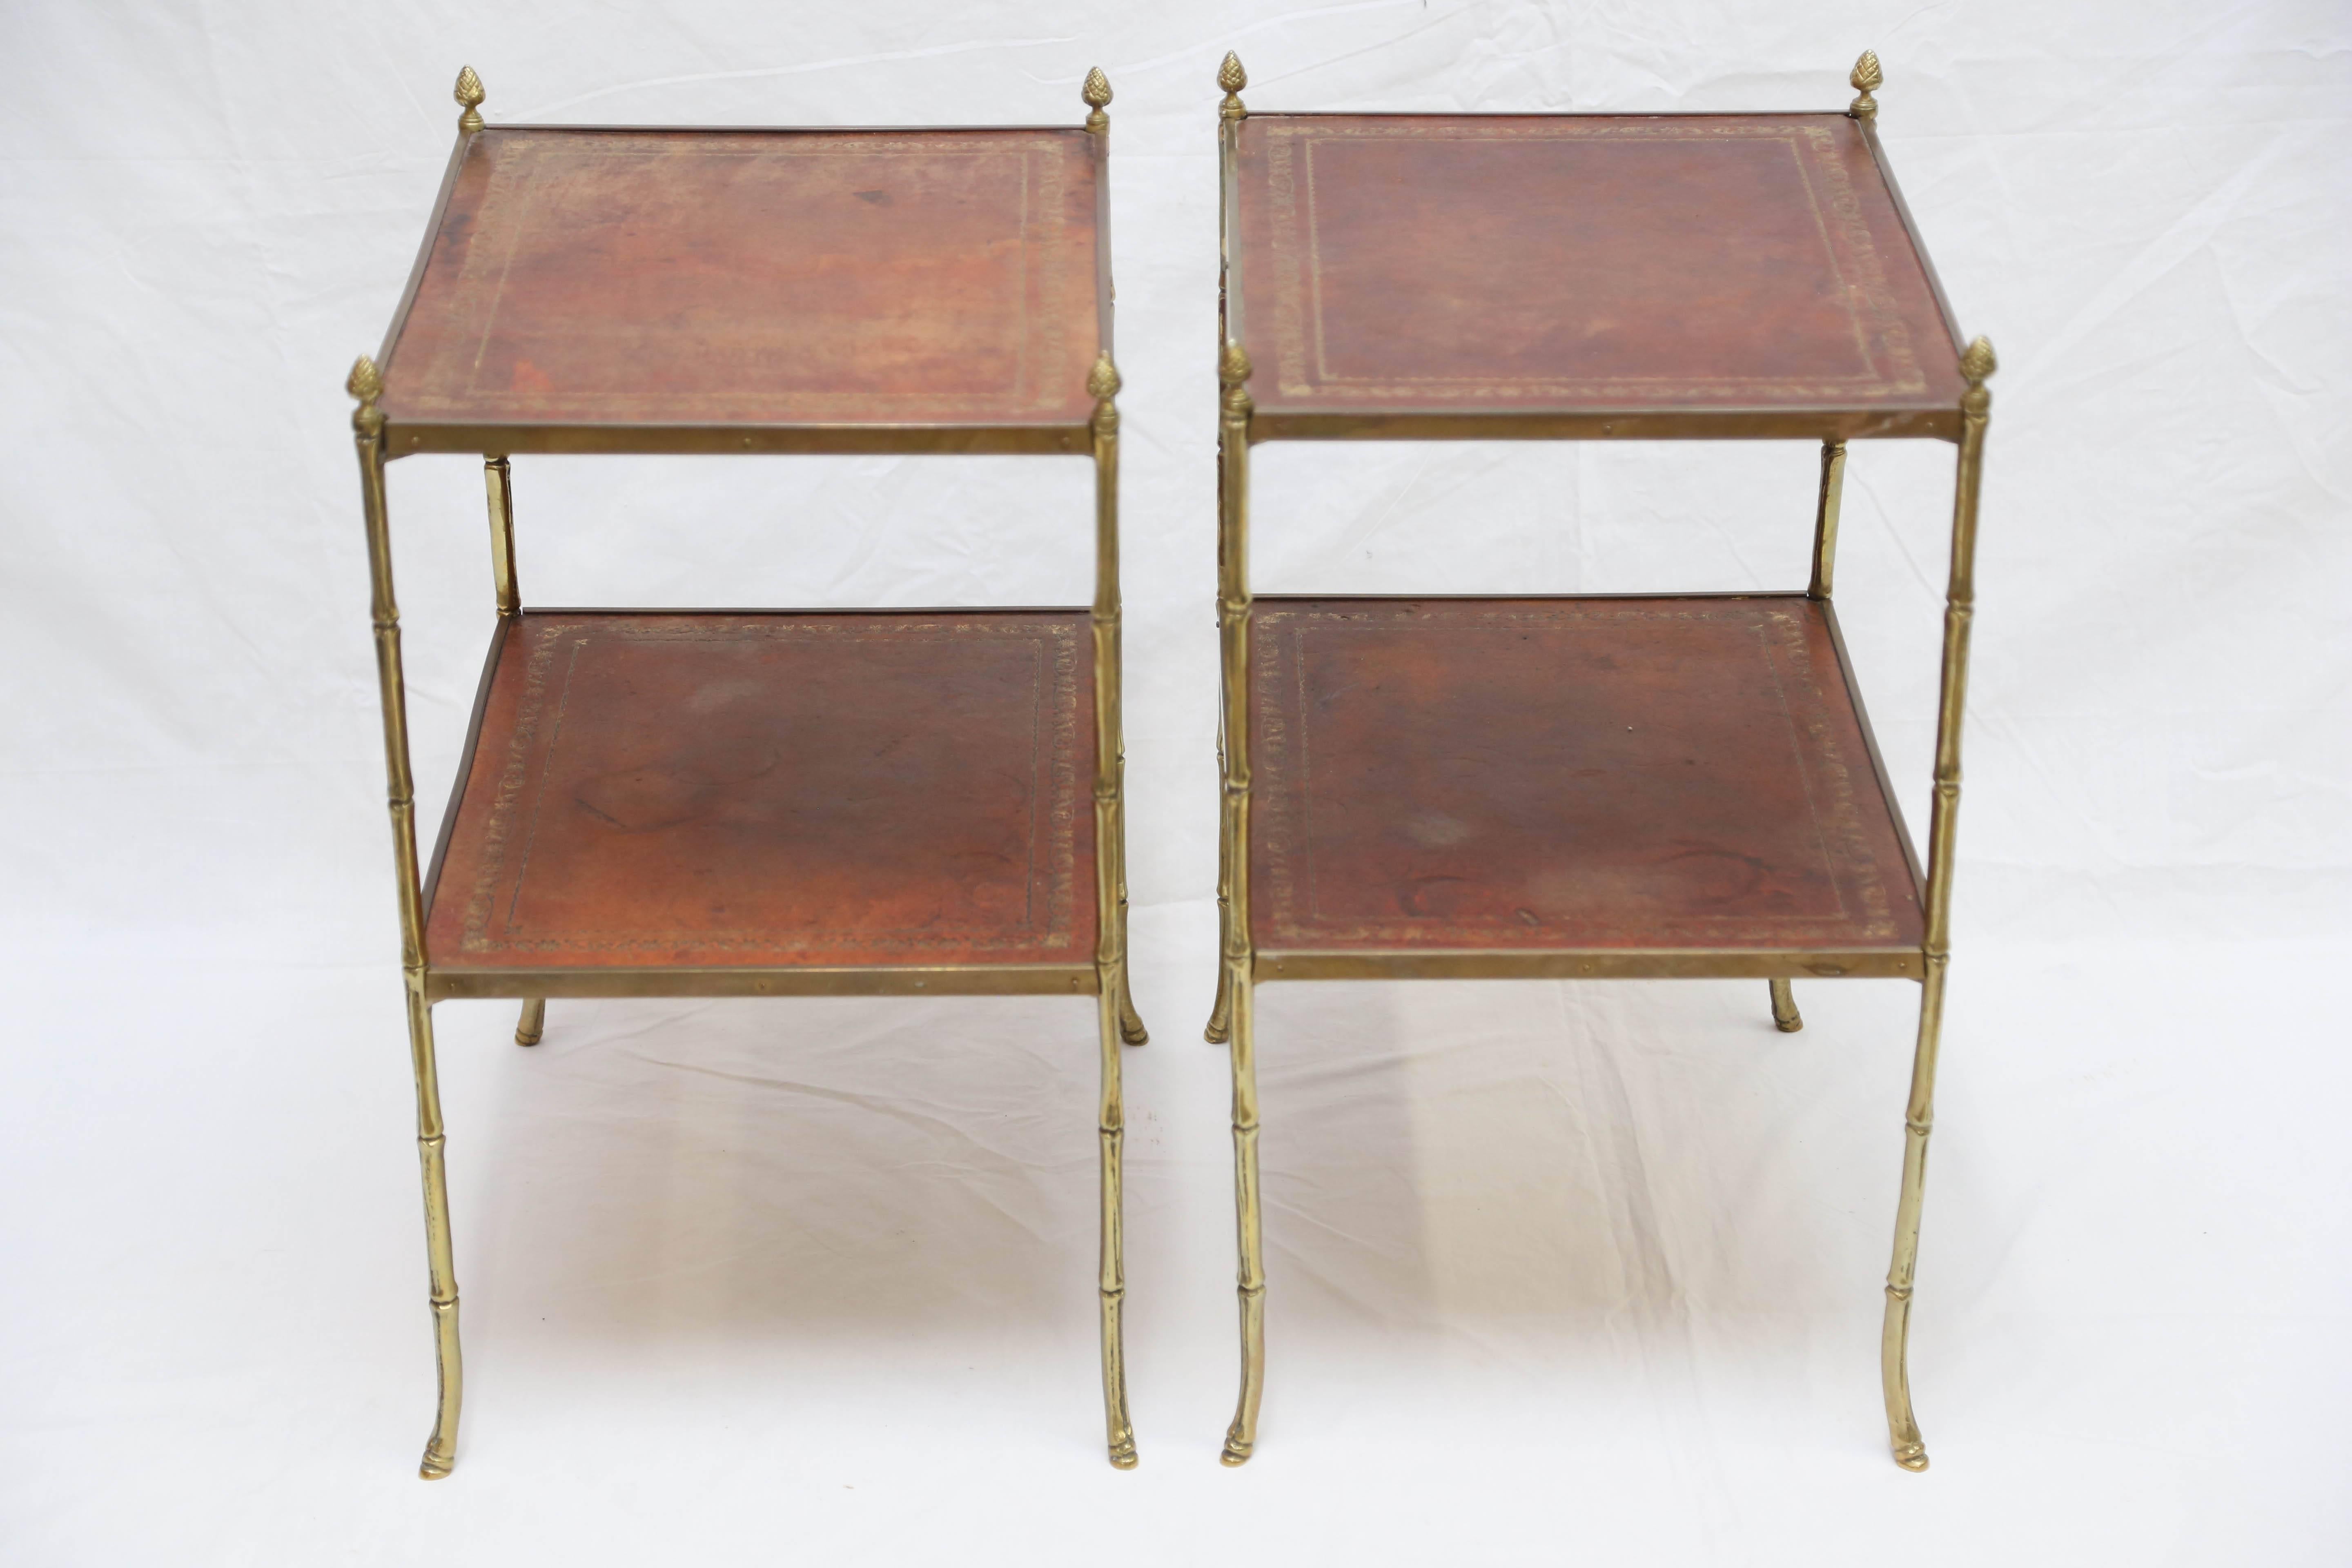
{"x":380,"y":436}
{"x":1324,"y":391}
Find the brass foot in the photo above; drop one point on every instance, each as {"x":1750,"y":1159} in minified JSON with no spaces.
{"x":1123,"y":1457}
{"x":1236,"y":1452}
{"x":1785,"y":1016}
{"x":1130,"y":1024}
{"x":435,"y":1468}
{"x":533,"y":1022}
{"x":1221,"y":1016}
{"x":1911,"y":1456}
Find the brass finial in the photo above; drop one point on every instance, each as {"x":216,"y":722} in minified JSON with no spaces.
{"x":1096,"y":93}
{"x":1232,"y":79}
{"x":469,"y":96}
{"x":1102,"y":382}
{"x":1233,"y":364}
{"x":1865,"y":77}
{"x":1102,"y":385}
{"x":1978,"y":363}
{"x":366,"y":383}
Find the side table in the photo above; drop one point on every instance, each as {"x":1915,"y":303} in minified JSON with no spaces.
{"x":1591,"y":785}
{"x":763,"y":802}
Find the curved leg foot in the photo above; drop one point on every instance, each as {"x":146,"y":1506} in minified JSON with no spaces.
{"x":1894,"y":1338}
{"x":1241,"y":1437}
{"x":1785,"y":1016}
{"x":533,"y":1022}
{"x":1221,"y":1016}
{"x":441,"y":1448}
{"x":1131,"y":1022}
{"x":1111,"y":1126}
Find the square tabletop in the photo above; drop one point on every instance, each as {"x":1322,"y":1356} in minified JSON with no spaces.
{"x":1626,"y":783}
{"x":652,"y":289}
{"x":1656,"y":267}
{"x":718,"y":790}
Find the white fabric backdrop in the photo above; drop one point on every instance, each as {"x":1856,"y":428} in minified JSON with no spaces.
{"x":1583,"y":1271}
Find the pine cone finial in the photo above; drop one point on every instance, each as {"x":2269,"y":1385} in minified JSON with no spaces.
{"x":1232,"y":79}
{"x":1866,"y":78}
{"x":1096,"y":93}
{"x":366,"y":383}
{"x":469,"y":96}
{"x":1978,"y":362}
{"x":1102,"y":382}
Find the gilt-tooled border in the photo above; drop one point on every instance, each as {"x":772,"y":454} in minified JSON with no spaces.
{"x":1852,"y":255}
{"x":1280,"y":804}
{"x":516,"y":181}
{"x":507,"y":815}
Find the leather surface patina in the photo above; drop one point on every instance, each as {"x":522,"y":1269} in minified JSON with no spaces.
{"x":635,"y":278}
{"x":1547,"y":774}
{"x":715,"y":790}
{"x":1563,"y":263}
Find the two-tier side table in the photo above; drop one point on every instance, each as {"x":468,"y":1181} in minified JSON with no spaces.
{"x":1593,"y":785}
{"x":758,"y":802}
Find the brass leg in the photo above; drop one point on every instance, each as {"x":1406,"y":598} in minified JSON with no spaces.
{"x":1221,"y":1012}
{"x":1131,"y":1022}
{"x":1918,"y":1118}
{"x":533,"y":1022}
{"x":366,"y":383}
{"x":1785,"y":1016}
{"x":1241,"y":1437}
{"x":1113,"y":1011}
{"x":1112,"y":1125}
{"x":441,"y":1448}
{"x":1934,"y":948}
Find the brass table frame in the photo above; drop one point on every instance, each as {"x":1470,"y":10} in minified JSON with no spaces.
{"x":380,"y":440}
{"x":1242,"y":967}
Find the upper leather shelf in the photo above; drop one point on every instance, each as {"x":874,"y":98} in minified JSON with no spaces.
{"x":652,"y":289}
{"x":1680,"y":273}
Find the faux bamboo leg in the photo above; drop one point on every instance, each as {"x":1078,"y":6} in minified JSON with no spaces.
{"x":533,"y":1023}
{"x":1232,"y":722}
{"x":441,"y":1448}
{"x":1112,"y":1127}
{"x":1241,"y":1437}
{"x":1234,"y":630}
{"x":1131,"y":1022}
{"x":400,"y":795}
{"x":1943,"y":826}
{"x":1825,"y":518}
{"x":1112,"y":1008}
{"x":1785,"y":1015}
{"x":1918,"y":1120}
{"x":1222,"y":1011}
{"x":498,"y":479}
